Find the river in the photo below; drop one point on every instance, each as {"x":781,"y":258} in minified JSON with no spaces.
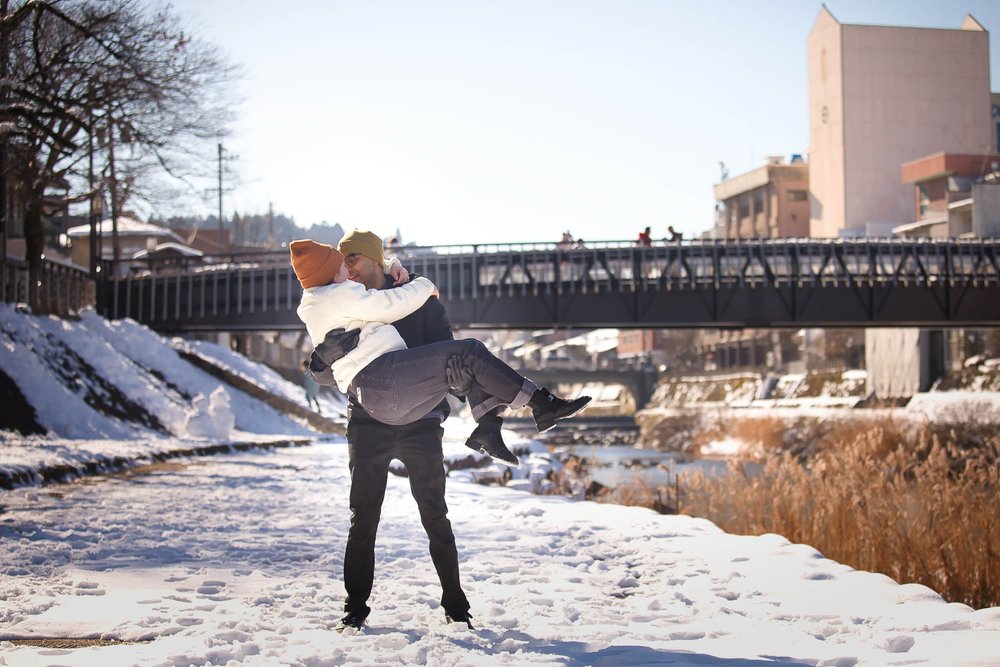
{"x":606,"y":447}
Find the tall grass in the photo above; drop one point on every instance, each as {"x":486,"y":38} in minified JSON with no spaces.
{"x":919,"y":503}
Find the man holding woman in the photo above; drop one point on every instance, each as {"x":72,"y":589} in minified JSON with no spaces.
{"x":351,"y":333}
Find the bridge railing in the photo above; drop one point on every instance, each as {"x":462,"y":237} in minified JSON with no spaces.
{"x":255,"y":284}
{"x":522,"y":269}
{"x":62,"y":289}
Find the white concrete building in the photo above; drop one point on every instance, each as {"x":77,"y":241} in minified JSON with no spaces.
{"x":880,"y":96}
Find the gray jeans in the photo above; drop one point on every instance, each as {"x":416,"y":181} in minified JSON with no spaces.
{"x":401,"y":387}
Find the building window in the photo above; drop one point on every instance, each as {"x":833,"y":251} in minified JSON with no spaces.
{"x":798,"y":195}
{"x":743,"y":207}
{"x":924,"y":201}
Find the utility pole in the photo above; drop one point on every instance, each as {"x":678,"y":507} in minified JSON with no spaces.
{"x":221,"y":237}
{"x":92,"y":217}
{"x":270,"y":225}
{"x":4,"y":45}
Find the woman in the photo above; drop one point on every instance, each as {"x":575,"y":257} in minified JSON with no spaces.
{"x":396,"y":385}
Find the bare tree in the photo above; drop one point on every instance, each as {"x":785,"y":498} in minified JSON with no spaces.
{"x":169,"y":103}
{"x":110,"y":74}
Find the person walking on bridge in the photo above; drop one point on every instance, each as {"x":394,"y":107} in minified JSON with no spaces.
{"x":392,"y":386}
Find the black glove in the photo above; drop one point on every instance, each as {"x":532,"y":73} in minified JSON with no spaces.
{"x":458,"y":376}
{"x":321,"y":372}
{"x":336,"y":345}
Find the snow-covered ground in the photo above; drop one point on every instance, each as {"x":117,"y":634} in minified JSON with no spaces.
{"x":236,"y":558}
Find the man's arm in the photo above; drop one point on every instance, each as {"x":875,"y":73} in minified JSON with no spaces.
{"x":437,"y":326}
{"x":396,"y":271}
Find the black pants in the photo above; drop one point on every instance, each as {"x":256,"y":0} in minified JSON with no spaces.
{"x":418,"y":445}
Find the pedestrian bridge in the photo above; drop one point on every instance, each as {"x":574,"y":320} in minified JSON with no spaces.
{"x":713,"y":283}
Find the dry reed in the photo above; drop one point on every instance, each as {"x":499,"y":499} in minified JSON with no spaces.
{"x":919,"y":504}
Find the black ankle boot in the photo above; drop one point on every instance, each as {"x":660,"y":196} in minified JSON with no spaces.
{"x":486,"y":438}
{"x":547,"y":408}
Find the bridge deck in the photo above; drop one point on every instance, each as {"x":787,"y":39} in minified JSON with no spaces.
{"x":772,"y":283}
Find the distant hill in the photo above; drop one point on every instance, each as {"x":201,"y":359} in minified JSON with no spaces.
{"x":258,"y":229}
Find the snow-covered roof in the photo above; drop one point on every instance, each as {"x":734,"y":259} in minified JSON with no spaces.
{"x":126,"y":227}
{"x":169,"y":246}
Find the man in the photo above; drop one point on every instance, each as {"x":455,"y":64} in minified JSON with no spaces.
{"x":644,"y":238}
{"x":372,"y":445}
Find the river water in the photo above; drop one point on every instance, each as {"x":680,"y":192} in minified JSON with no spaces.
{"x":606,"y":447}
{"x":616,"y":464}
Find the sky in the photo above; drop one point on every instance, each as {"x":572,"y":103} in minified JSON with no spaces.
{"x":237,"y":558}
{"x":480,"y":122}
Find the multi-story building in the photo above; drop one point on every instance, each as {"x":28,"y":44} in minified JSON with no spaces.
{"x":953,"y":195}
{"x":768,"y":202}
{"x":880,"y":96}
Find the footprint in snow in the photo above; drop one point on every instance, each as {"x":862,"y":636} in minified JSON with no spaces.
{"x":846,"y":661}
{"x":88,"y":588}
{"x":952,"y":625}
{"x":534,"y":511}
{"x":900,"y":644}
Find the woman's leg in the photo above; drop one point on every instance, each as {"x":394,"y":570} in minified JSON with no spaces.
{"x":494,"y":383}
{"x":402,"y":386}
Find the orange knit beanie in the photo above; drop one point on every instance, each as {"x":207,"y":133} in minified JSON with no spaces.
{"x":315,"y":264}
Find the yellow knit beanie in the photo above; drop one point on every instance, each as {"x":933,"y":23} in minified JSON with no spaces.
{"x":363,"y":243}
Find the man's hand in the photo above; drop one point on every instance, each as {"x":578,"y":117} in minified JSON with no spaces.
{"x":398,"y":274}
{"x":458,"y":376}
{"x":335,"y":346}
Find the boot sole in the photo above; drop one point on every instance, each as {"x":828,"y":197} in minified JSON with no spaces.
{"x":478,"y":447}
{"x":550,"y":420}
{"x":513,"y":461}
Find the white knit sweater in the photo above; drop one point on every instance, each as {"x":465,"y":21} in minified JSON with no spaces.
{"x":348,"y":305}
